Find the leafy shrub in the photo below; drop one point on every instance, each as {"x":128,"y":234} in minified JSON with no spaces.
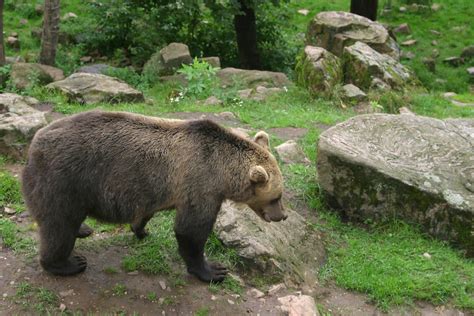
{"x":201,"y":77}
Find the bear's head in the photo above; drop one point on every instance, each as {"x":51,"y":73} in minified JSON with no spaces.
{"x":267,"y":185}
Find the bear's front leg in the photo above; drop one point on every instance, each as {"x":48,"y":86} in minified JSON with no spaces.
{"x":192,"y":228}
{"x":191,"y":250}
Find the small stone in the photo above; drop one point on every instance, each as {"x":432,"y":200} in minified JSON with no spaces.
{"x":470,"y":72}
{"x":14,"y":34}
{"x":435,"y":32}
{"x":133,"y":273}
{"x":468,"y":52}
{"x":66,"y":293}
{"x":23,"y":21}
{"x":213,"y":298}
{"x":9,"y":210}
{"x":276,"y":288}
{"x":427,"y":255}
{"x":449,"y":95}
{"x":69,"y":16}
{"x":407,"y":55}
{"x":453,"y":61}
{"x":353,"y":93}
{"x":303,"y":11}
{"x":402,"y":29}
{"x":434,"y":43}
{"x":430,"y":64}
{"x":244,"y":94}
{"x":12,"y":282}
{"x":39,"y":9}
{"x":405,"y":111}
{"x":435,"y":7}
{"x":290,"y":153}
{"x":86,"y":59}
{"x":231,"y":302}
{"x":440,"y":81}
{"x":212,"y":100}
{"x":62,"y":307}
{"x":435,"y":53}
{"x":5,"y":295}
{"x":402,"y":9}
{"x":161,"y":300}
{"x":302,"y":305}
{"x":256,"y":293}
{"x":162,"y":284}
{"x":408,"y":43}
{"x":227,"y":115}
{"x":13,"y":42}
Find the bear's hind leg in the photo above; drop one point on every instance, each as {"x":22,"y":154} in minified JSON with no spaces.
{"x":138,"y":227}
{"x":84,"y":231}
{"x":57,"y":242}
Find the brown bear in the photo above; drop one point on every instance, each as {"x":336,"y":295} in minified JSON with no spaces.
{"x":122,"y":168}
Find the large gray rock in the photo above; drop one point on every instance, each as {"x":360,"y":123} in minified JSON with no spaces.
{"x":334,"y":30}
{"x":318,"y":70}
{"x":409,"y":167}
{"x":362,"y":65}
{"x":287,"y":247}
{"x":167,"y":61}
{"x":290,"y":153}
{"x":353,"y":94}
{"x":95,"y":88}
{"x":229,"y":77}
{"x":18,"y":124}
{"x":95,"y":69}
{"x":301,"y":305}
{"x":27,"y":74}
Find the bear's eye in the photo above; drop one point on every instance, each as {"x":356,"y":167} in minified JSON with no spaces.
{"x":274,"y":201}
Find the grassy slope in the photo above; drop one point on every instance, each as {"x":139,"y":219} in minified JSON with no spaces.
{"x":388,"y":250}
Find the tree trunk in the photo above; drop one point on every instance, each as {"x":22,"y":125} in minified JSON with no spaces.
{"x":367,"y":8}
{"x":246,"y":30}
{"x":49,"y":40}
{"x":2,"y":46}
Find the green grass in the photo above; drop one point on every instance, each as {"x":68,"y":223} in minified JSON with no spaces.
{"x":10,"y":193}
{"x":119,"y":289}
{"x":387,"y":263}
{"x":16,"y":239}
{"x":202,"y":311}
{"x":43,"y":300}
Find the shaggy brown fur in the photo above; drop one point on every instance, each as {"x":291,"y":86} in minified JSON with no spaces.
{"x":122,"y":168}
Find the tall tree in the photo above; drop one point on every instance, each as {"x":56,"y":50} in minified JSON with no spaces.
{"x":49,"y":40}
{"x":2,"y":47}
{"x":367,"y":8}
{"x":246,"y":30}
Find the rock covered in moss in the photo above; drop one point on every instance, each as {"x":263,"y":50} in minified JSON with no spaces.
{"x":362,"y":65}
{"x":19,"y":121}
{"x":90,"y":88}
{"x":167,"y":61}
{"x":318,"y":70}
{"x":229,"y":77}
{"x":28,"y":74}
{"x":287,"y":247}
{"x":334,"y":30}
{"x":408,"y":167}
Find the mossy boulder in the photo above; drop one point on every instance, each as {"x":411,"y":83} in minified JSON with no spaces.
{"x":289,"y":247}
{"x":318,"y":70}
{"x":418,"y":169}
{"x":167,"y":61}
{"x":28,"y":74}
{"x":243,"y":78}
{"x":362,"y":64}
{"x":19,"y":121}
{"x":90,"y":88}
{"x":334,"y":30}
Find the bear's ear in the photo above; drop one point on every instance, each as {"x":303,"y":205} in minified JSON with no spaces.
{"x":258,"y":174}
{"x":262,"y":139}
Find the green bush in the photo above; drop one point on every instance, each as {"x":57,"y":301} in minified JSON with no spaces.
{"x":201,"y":77}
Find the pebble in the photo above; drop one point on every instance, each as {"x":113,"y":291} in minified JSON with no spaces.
{"x":162,"y":285}
{"x":62,"y":307}
{"x":231,"y":302}
{"x":427,"y":255}
{"x":276,"y":288}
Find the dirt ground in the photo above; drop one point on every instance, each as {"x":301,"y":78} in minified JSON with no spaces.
{"x":95,"y":291}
